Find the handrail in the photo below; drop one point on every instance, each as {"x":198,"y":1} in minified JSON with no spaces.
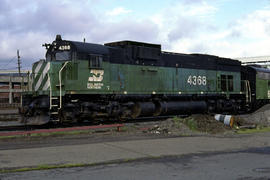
{"x":50,"y":92}
{"x":60,"y":83}
{"x":248,"y":92}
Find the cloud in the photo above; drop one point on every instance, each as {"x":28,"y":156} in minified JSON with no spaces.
{"x":184,"y":26}
{"x":118,"y":11}
{"x":46,"y":17}
{"x":35,"y":23}
{"x":184,"y":22}
{"x":4,"y":7}
{"x":190,"y":28}
{"x":192,"y":1}
{"x":248,"y":36}
{"x":125,"y":29}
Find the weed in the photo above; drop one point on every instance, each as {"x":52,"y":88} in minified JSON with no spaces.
{"x":257,"y":130}
{"x":177,"y":121}
{"x":188,"y":121}
{"x":191,"y":123}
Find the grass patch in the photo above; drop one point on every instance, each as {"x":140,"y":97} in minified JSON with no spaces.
{"x":125,"y":128}
{"x":48,"y":134}
{"x":73,"y":132}
{"x":250,"y":131}
{"x":60,"y":133}
{"x":188,"y":121}
{"x":44,"y":167}
{"x":191,"y":123}
{"x":7,"y":137}
{"x":178,"y":121}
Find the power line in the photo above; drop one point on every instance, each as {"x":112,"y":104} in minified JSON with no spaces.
{"x":11,"y":68}
{"x":8,"y":62}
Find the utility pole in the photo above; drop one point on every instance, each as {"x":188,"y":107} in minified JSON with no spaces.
{"x":19,"y":69}
{"x":19,"y":62}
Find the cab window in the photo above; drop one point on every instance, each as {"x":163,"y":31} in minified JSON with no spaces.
{"x":223,"y":83}
{"x":230,"y":83}
{"x":62,"y":55}
{"x":95,"y":61}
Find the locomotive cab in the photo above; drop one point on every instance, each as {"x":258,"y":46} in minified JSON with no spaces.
{"x":59,"y":50}
{"x":64,"y":50}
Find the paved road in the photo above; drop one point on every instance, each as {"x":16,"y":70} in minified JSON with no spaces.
{"x":58,"y":152}
{"x":247,"y":164}
{"x":192,"y":157}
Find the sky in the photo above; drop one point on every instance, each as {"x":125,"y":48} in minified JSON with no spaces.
{"x":227,"y":28}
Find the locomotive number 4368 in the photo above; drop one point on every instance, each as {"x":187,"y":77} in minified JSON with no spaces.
{"x":197,"y":80}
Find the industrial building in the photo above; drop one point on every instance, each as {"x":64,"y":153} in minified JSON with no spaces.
{"x":260,"y":60}
{"x":12,"y":84}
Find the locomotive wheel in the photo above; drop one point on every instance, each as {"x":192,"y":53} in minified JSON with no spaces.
{"x":69,"y":115}
{"x":79,"y":119}
{"x":38,"y":117}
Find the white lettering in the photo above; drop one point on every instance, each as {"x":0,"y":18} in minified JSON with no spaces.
{"x":94,"y":85}
{"x":197,"y":80}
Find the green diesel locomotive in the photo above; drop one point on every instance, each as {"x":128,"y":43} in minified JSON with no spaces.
{"x":127,"y":79}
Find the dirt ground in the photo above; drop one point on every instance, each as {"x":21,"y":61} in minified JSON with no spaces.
{"x":261,"y":117}
{"x":189,"y":126}
{"x":200,"y":124}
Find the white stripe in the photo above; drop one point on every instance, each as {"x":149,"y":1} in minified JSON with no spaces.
{"x":45,"y":71}
{"x":38,"y":68}
{"x":47,"y":84}
{"x":39,"y":82}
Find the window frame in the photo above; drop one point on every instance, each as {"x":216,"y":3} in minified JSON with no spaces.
{"x":227,"y":82}
{"x":95,"y":61}
{"x":230,"y":82}
{"x":223,"y":82}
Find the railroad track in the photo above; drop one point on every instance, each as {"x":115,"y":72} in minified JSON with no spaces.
{"x":24,"y":127}
{"x":21,"y":128}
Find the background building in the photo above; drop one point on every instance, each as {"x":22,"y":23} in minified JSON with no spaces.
{"x":261,"y":60}
{"x":12,"y":84}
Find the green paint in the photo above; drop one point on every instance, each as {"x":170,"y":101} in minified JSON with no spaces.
{"x":262,"y":88}
{"x":78,"y":78}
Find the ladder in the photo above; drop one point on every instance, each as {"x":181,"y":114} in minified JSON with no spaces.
{"x":56,"y":101}
{"x":54,"y":108}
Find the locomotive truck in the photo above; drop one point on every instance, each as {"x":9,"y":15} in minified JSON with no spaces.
{"x":128,"y":79}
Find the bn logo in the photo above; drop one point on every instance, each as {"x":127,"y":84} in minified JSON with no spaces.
{"x":96,"y":75}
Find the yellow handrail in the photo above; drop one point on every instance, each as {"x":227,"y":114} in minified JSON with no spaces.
{"x":60,"y":82}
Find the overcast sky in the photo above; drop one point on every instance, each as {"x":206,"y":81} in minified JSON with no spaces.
{"x":229,"y":28}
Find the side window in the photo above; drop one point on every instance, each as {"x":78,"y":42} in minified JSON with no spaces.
{"x":223,"y":83}
{"x":268,"y":83}
{"x":226,"y":82}
{"x":230,"y":83}
{"x":95,"y":61}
